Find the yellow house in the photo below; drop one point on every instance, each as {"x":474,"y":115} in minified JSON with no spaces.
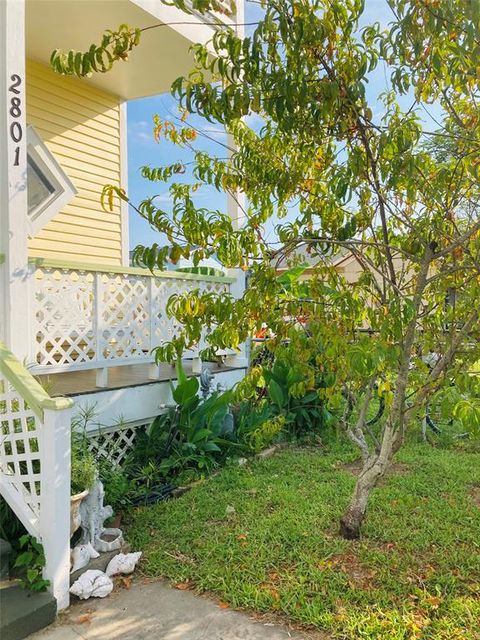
{"x":84,"y":128}
{"x":73,"y":313}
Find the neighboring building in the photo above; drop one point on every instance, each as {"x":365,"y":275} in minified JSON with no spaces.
{"x":71,"y":307}
{"x":343,"y":261}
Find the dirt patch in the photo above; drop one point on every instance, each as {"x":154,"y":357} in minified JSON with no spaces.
{"x":474,"y":493}
{"x":270,"y":451}
{"x":395,"y":469}
{"x":359,"y":576}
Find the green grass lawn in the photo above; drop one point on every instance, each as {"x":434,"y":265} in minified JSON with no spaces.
{"x":414,"y":574}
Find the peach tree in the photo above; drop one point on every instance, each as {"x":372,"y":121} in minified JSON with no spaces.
{"x":388,"y":178}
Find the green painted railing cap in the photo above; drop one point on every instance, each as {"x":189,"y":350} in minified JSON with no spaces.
{"x":102,"y":268}
{"x":25,"y":384}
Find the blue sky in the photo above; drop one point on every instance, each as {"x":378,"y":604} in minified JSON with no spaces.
{"x":143,"y":150}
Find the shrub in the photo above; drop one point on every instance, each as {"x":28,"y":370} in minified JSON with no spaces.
{"x":119,"y":489}
{"x":294,"y":379}
{"x":192,"y":434}
{"x":84,"y":468}
{"x":265,"y":434}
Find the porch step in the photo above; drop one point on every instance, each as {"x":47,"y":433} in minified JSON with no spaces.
{"x":24,"y":612}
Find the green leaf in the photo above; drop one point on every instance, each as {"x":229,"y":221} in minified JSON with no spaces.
{"x":24,"y":559}
{"x":211,"y":447}
{"x":181,"y":375}
{"x":276,"y":394}
{"x":292,"y":275}
{"x":25,"y":539}
{"x":186,"y":391}
{"x":201,"y":434}
{"x":32,"y":574}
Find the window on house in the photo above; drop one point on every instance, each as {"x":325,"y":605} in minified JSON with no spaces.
{"x":49,"y":188}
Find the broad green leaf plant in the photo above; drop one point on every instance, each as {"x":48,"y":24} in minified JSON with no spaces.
{"x":389,"y":181}
{"x":32,"y":560}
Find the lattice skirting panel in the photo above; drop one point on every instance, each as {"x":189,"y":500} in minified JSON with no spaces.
{"x":114,"y":443}
{"x":20,"y":451}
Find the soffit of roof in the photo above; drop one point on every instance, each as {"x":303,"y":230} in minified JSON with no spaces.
{"x":162,"y":56}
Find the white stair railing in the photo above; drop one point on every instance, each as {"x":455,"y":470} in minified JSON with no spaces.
{"x":35,"y":466}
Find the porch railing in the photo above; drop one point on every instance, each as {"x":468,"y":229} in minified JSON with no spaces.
{"x":86,"y":316}
{"x":35,"y":465}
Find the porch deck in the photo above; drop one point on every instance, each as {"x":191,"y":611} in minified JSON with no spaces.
{"x":76,"y":383}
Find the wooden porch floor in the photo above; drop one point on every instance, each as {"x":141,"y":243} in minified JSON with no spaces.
{"x":74,"y":383}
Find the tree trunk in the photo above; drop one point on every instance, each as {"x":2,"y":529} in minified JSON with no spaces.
{"x":373,"y":469}
{"x":376,"y":464}
{"x":351,"y":522}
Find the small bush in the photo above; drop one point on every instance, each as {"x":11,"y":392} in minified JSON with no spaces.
{"x":265,"y":434}
{"x":84,"y":468}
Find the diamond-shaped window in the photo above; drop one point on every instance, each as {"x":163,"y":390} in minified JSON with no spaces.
{"x":49,"y":187}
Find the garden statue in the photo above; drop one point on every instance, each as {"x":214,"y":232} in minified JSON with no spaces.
{"x":93,"y":514}
{"x":206,"y":379}
{"x":228,"y":423}
{"x":206,"y":386}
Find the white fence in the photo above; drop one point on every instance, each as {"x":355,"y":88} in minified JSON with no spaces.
{"x":98,"y":317}
{"x":35,"y":465}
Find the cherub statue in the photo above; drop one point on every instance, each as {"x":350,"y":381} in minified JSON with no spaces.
{"x":93,"y":514}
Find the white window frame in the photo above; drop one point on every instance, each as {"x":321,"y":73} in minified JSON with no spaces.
{"x":53,"y":172}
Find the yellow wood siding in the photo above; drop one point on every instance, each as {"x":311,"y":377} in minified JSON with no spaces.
{"x":81,"y":126}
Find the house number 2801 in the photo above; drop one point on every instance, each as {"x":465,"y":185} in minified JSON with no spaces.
{"x":16,"y":131}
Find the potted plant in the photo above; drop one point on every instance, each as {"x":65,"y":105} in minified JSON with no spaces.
{"x":83,"y":475}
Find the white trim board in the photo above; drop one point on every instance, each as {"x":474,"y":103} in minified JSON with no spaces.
{"x":14,"y":302}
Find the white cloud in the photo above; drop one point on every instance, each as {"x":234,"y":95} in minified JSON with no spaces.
{"x":141,"y":131}
{"x":163,"y":197}
{"x":143,"y":136}
{"x":166,"y":198}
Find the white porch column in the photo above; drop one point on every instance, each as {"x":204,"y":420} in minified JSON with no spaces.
{"x":240,"y":18}
{"x":235,"y":201}
{"x":236,"y":289}
{"x":124,"y":184}
{"x":14,"y":319}
{"x":55,"y":501}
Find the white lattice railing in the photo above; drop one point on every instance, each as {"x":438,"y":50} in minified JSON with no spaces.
{"x":35,"y":465}
{"x":98,"y":317}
